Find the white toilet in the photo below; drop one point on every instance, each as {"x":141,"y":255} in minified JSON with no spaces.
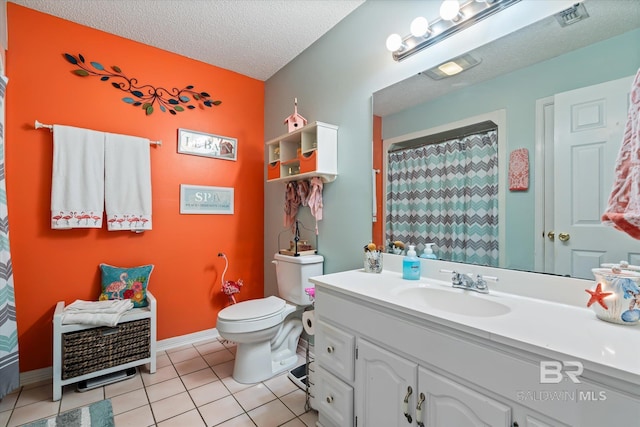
{"x":267,"y":340}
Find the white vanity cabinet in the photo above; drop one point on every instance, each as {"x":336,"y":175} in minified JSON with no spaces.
{"x":466,"y":379}
{"x":306,"y":152}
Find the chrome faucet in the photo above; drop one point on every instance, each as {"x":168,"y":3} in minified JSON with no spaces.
{"x":466,"y":281}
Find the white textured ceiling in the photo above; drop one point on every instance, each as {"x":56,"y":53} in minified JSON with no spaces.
{"x":251,"y":37}
{"x":538,"y":42}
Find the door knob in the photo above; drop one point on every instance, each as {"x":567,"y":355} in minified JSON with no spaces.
{"x":564,"y":237}
{"x":551,"y":235}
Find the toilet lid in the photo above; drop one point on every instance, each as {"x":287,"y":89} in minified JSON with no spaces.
{"x":253,"y":309}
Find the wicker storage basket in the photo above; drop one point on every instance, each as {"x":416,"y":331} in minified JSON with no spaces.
{"x":92,"y":350}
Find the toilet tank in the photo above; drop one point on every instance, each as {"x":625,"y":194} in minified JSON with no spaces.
{"x":293,"y":274}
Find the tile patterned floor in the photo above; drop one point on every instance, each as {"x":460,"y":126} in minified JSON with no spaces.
{"x":192,"y":387}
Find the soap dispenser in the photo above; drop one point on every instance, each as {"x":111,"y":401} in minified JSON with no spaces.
{"x":411,"y":265}
{"x":428,"y":252}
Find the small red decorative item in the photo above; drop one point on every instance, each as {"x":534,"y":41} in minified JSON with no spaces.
{"x":519,"y":170}
{"x":598,"y":296}
{"x":229,"y":287}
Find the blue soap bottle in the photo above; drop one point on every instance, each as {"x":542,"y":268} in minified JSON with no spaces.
{"x":428,"y":252}
{"x":411,"y":265}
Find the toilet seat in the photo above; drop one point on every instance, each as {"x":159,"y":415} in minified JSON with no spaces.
{"x":252,"y":315}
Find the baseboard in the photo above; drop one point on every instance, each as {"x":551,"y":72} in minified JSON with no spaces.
{"x":46,"y":374}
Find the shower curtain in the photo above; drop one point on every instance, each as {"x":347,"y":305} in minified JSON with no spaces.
{"x":9,"y":371}
{"x":447,"y":193}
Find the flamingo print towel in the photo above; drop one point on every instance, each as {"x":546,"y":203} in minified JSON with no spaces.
{"x":623,"y":210}
{"x":77,"y":187}
{"x":127,"y":184}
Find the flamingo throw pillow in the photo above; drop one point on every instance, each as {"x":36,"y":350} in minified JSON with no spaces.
{"x":125,"y":283}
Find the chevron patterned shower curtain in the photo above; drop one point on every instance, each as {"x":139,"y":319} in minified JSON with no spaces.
{"x":9,"y":371}
{"x":447,"y":193}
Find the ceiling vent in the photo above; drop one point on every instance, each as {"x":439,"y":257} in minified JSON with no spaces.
{"x":569,"y":16}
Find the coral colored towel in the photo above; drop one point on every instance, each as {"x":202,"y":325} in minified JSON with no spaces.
{"x":623,"y":210}
{"x":519,"y":170}
{"x":127,"y":182}
{"x":77,"y":185}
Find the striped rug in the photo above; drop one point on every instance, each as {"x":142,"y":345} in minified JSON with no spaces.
{"x":99,"y":414}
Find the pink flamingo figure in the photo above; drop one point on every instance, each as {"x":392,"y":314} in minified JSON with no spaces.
{"x":95,"y":218}
{"x":132,"y":220}
{"x":143,"y":221}
{"x":121,"y":220}
{"x":86,"y":218}
{"x":68,"y":217}
{"x":115,"y":287}
{"x":112,"y":220}
{"x":57,"y":217}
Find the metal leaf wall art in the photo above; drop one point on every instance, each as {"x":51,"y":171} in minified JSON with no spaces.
{"x":147,"y":97}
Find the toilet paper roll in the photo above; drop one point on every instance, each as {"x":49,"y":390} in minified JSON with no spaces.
{"x":309,"y":322}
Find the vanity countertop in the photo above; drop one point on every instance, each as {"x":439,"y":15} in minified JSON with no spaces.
{"x":549,"y":328}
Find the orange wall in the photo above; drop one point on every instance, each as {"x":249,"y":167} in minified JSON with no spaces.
{"x":54,"y":265}
{"x":376,"y":230}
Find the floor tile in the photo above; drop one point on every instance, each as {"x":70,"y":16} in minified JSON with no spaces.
{"x":165,"y":389}
{"x":309,"y":418}
{"x":162,"y":374}
{"x":128,"y":401}
{"x":198,"y":378}
{"x":271,"y":414}
{"x":281,"y":385}
{"x":193,"y":386}
{"x":33,"y":411}
{"x":172,"y":406}
{"x":125,"y":386}
{"x":240,"y":421}
{"x":184,"y":354}
{"x":139,"y":417}
{"x":254,"y":396}
{"x":210,"y":347}
{"x":190,"y":365}
{"x":208,"y":393}
{"x":218,"y":357}
{"x":35,"y":394}
{"x":191,"y":419}
{"x":74,"y":399}
{"x":221,"y":410}
{"x":295,"y":401}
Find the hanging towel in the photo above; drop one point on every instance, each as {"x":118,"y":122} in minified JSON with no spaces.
{"x":303,"y":191}
{"x":315,"y":199}
{"x":623,"y":210}
{"x":127,"y":187}
{"x":291,"y":203}
{"x":77,"y":186}
{"x":519,"y":170}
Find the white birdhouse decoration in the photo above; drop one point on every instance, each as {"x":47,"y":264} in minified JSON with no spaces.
{"x":295,"y":121}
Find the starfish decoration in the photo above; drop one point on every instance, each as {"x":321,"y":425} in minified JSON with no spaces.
{"x":598,"y":296}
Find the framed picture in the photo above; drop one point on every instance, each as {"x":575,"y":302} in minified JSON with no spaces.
{"x":207,"y":145}
{"x":199,"y":199}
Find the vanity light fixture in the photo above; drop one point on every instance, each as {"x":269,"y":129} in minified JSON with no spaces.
{"x":454,"y":17}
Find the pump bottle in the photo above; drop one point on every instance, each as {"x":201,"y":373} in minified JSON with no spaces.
{"x":411,"y":265}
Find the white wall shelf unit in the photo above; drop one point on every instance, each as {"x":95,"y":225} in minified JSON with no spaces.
{"x":82,"y":352}
{"x":304,"y":153}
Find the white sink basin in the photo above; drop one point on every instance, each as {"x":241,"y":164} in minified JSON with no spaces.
{"x":467,"y":303}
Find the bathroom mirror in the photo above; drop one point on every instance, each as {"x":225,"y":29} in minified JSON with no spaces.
{"x":520,"y":74}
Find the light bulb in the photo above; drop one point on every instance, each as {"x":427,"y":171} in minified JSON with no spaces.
{"x":449,"y":9}
{"x":394,"y":42}
{"x":419,"y":26}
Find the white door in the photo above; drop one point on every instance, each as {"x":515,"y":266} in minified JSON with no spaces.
{"x":448,"y":403}
{"x":589,"y":125}
{"x":386,"y":385}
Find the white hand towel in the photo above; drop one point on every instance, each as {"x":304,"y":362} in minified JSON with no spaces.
{"x":127,"y":183}
{"x":95,"y":313}
{"x":77,"y":187}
